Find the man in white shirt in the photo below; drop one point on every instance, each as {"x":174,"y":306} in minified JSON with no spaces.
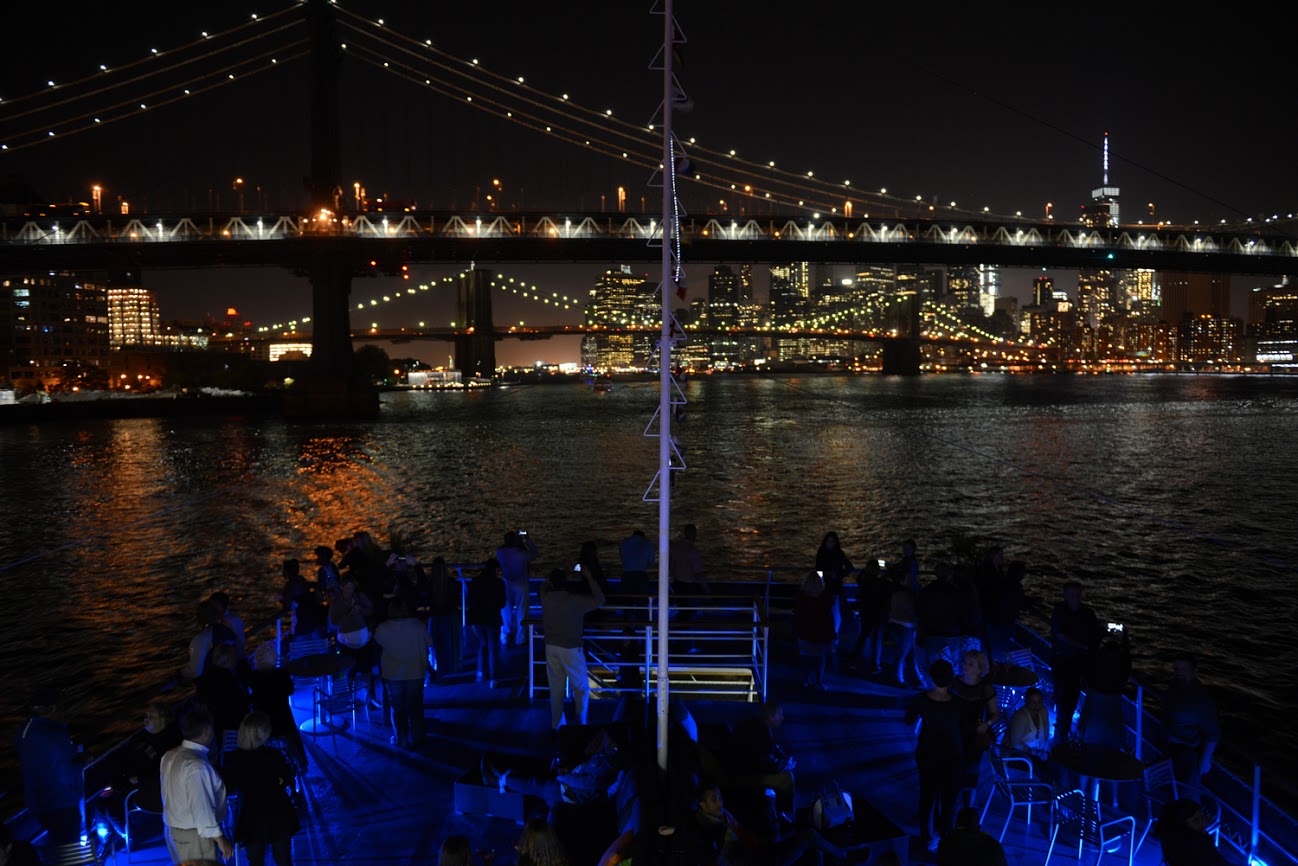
{"x":193,"y":795}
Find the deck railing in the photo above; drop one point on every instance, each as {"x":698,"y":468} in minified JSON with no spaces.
{"x":719,"y":647}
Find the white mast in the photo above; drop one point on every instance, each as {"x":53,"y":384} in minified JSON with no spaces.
{"x":665,"y":383}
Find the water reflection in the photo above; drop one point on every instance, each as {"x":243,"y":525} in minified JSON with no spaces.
{"x":1060,"y":471}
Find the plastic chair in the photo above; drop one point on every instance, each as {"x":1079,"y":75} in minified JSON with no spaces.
{"x":130,"y":806}
{"x":1018,"y":791}
{"x":1076,"y":812}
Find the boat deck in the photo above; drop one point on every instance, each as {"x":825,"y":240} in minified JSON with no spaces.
{"x":367,"y":802}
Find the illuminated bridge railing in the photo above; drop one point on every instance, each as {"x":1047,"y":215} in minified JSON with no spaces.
{"x":146,"y":229}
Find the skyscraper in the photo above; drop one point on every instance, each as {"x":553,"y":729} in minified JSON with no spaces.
{"x":1043,"y":290}
{"x":724,"y":290}
{"x":620,"y":299}
{"x":1103,"y":211}
{"x":1097,"y":289}
{"x":989,"y":288}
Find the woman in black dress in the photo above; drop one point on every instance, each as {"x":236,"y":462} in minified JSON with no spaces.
{"x":260,"y":775}
{"x":980,"y":711}
{"x":939,"y":752}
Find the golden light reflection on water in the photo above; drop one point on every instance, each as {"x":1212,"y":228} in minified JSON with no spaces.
{"x":174,"y":510}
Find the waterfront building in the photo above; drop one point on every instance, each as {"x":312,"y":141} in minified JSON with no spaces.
{"x":1210,"y":338}
{"x":1005,"y":319}
{"x":1273,"y":305}
{"x":620,"y":299}
{"x":1155,"y":341}
{"x":1273,"y":325}
{"x":133,"y":317}
{"x":56,"y":330}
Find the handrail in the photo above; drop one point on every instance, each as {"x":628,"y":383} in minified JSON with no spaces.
{"x":1258,"y":802}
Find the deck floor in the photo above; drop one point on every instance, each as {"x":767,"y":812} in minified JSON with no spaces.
{"x":370,"y":803}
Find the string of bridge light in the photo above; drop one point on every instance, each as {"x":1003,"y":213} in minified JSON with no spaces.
{"x":718,"y":158}
{"x":107,"y":73}
{"x":632,"y":157}
{"x":239,"y":71}
{"x":159,"y":96}
{"x":499,"y":281}
{"x":809,"y":185}
{"x":941,"y":311}
{"x":528,"y":121}
{"x":633,"y":134}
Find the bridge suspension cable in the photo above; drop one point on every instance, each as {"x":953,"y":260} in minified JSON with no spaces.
{"x":173,"y":93}
{"x":223,"y":57}
{"x":489,"y":91}
{"x":500,"y":281}
{"x":115,"y":83}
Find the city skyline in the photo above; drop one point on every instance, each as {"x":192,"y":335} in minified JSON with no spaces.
{"x":899,"y":111}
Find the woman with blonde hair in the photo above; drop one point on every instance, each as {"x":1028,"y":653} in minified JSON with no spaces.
{"x":270,"y":688}
{"x":539,"y":845}
{"x":259,"y":774}
{"x":980,"y":712}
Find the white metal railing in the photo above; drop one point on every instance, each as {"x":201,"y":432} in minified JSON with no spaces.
{"x":725,"y":644}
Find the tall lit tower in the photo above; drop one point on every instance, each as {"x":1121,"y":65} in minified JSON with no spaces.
{"x":1102,"y":212}
{"x":1097,"y":289}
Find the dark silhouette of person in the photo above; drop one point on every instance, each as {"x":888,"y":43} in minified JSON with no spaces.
{"x":1190,"y":724}
{"x":51,"y":769}
{"x":1074,"y":630}
{"x":939,"y":752}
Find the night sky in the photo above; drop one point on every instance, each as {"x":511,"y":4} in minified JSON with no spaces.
{"x":982,"y":106}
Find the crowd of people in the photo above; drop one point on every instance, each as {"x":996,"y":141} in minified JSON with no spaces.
{"x":400,"y":623}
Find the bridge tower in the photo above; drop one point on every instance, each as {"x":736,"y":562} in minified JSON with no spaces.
{"x":334,"y":387}
{"x":901,"y":356}
{"x":475,"y":345}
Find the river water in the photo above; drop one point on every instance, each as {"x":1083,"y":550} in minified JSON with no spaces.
{"x":1170,"y":497}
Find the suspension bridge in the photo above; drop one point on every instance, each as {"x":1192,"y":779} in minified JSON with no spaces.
{"x":770,"y":213}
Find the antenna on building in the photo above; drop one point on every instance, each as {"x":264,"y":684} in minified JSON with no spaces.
{"x":1106,"y":159}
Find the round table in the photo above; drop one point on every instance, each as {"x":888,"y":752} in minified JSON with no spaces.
{"x":1097,"y":762}
{"x":320,"y":666}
